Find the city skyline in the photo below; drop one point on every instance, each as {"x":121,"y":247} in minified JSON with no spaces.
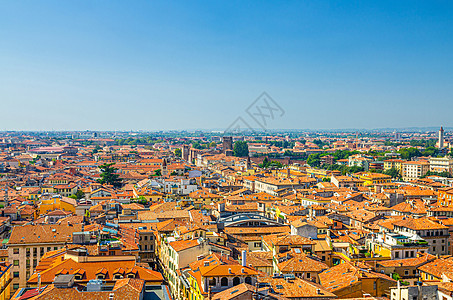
{"x":161,"y":66}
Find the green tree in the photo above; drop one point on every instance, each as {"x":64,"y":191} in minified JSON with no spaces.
{"x":393,"y":172}
{"x":158,"y":172}
{"x":96,"y":149}
{"x":265,"y":163}
{"x":241,"y":149}
{"x":178,"y":152}
{"x":109,"y":175}
{"x":314,"y":160}
{"x":408,"y":153}
{"x":212,"y":144}
{"x":440,"y":174}
{"x":431,"y":151}
{"x":78,"y":195}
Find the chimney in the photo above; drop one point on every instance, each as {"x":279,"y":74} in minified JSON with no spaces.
{"x":244,"y":258}
{"x":39,"y":283}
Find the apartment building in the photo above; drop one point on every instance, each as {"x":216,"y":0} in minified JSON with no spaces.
{"x":175,"y":255}
{"x":271,"y":185}
{"x":393,"y":164}
{"x":423,"y":229}
{"x":441,"y":164}
{"x":414,"y":169}
{"x":28,"y":243}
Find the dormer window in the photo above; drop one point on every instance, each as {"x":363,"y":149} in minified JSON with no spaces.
{"x":101,"y":274}
{"x":118,"y":273}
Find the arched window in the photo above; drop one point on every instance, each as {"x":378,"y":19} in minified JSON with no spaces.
{"x":248,"y":280}
{"x":236,"y":281}
{"x":224,"y":281}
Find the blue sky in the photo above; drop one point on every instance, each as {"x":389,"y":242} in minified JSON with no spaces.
{"x":152,"y":65}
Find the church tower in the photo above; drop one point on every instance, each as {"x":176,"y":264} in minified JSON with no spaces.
{"x":441,"y":138}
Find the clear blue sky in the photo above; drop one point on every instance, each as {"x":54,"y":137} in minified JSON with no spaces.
{"x":129,"y":65}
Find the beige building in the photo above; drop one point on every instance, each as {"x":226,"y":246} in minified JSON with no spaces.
{"x":393,"y":163}
{"x":441,"y":164}
{"x":29,"y":243}
{"x":414,"y":169}
{"x":175,"y":255}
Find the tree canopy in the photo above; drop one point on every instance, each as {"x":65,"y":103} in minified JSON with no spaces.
{"x":109,"y":175}
{"x":241,"y":149}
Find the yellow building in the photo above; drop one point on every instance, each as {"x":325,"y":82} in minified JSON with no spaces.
{"x":393,"y":163}
{"x":321,"y":173}
{"x":5,"y":281}
{"x":148,"y":194}
{"x":49,"y":203}
{"x":374,"y":178}
{"x":204,"y":197}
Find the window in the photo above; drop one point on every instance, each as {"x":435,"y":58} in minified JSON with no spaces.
{"x":78,"y":277}
{"x":146,"y":237}
{"x":16,"y":251}
{"x":406,"y":272}
{"x":15,"y":262}
{"x":15,"y":286}
{"x":224,"y":281}
{"x":308,"y":275}
{"x":248,"y":280}
{"x":236,"y":281}
{"x":397,"y":254}
{"x":15,"y":274}
{"x":212,"y":281}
